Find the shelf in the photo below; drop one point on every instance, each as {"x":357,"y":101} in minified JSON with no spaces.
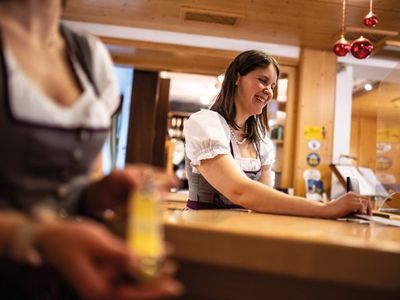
{"x":179,"y":114}
{"x":278,"y":142}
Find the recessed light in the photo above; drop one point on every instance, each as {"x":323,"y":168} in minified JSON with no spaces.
{"x":367,"y":86}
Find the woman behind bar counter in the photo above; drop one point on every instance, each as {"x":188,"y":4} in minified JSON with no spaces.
{"x":229,"y":156}
{"x":57,"y":94}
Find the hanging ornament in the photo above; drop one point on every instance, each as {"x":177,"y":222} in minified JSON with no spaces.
{"x":370,"y":19}
{"x":361,"y":48}
{"x":342,"y":46}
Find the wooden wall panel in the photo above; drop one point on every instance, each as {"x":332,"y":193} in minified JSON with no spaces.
{"x":317,"y":82}
{"x":363,"y":144}
{"x":394,"y":154}
{"x":363,"y":141}
{"x":367,"y":148}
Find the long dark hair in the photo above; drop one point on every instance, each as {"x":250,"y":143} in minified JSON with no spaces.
{"x":224,"y":103}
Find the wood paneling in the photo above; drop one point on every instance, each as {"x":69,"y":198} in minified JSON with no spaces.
{"x":185,"y":59}
{"x":377,"y":110}
{"x":394,"y":140}
{"x":241,"y":252}
{"x":306,"y":23}
{"x":316,"y":101}
{"x":363,"y":141}
{"x":213,"y":282}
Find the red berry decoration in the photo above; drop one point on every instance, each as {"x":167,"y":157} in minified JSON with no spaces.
{"x":361,"y":48}
{"x":341,"y":47}
{"x":371,"y":19}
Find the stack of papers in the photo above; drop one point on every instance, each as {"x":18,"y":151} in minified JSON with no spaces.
{"x":379,"y":220}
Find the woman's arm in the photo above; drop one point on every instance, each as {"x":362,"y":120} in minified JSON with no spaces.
{"x":266,"y":176}
{"x":225,"y":175}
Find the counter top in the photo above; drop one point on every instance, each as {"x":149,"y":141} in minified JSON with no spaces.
{"x":306,"y":248}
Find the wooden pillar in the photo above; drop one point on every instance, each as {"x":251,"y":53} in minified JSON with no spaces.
{"x":316,"y":103}
{"x":142,"y":117}
{"x":159,"y":154}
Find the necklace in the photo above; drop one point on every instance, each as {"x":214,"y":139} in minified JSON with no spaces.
{"x":234,"y":136}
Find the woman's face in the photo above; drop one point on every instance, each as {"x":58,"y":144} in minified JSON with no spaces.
{"x":254,"y":90}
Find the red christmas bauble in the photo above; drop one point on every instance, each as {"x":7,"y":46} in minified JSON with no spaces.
{"x":341,"y":47}
{"x":371,"y":19}
{"x":361,"y":48}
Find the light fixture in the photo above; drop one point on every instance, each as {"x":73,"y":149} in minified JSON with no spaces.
{"x":368,"y":87}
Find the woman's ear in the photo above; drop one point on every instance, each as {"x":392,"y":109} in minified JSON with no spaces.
{"x":237,"y":79}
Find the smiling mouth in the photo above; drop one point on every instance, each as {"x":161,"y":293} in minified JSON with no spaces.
{"x":261,"y":99}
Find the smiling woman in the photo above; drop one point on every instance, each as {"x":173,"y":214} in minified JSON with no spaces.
{"x":229,"y":156}
{"x":252,"y":72}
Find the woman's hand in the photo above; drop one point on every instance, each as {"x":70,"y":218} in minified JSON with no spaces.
{"x":93,"y":261}
{"x":347,"y":204}
{"x":112,"y":191}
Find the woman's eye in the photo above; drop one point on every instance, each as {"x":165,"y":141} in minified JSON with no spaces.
{"x":262,"y":80}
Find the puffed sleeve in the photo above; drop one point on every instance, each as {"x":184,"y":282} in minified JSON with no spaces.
{"x":206,"y":135}
{"x":267,"y":151}
{"x":104,"y":74}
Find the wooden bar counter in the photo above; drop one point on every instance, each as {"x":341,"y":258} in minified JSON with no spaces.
{"x":228,"y":254}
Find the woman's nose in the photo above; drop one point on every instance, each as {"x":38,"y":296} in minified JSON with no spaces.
{"x":268,"y":91}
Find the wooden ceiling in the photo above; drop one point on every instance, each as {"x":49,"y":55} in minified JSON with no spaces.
{"x":306,"y":23}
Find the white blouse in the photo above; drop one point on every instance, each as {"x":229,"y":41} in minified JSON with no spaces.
{"x":29,"y":104}
{"x":207,"y":135}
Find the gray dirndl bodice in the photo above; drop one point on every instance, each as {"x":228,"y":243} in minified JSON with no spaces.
{"x":41,"y":164}
{"x":203,"y":195}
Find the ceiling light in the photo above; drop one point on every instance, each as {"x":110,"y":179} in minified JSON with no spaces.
{"x":367,"y":86}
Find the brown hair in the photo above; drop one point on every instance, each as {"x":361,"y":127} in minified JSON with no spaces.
{"x":224,"y":103}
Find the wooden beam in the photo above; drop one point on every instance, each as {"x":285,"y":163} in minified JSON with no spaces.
{"x":141,"y":131}
{"x":176,"y":58}
{"x":159,"y":154}
{"x":316,"y":107}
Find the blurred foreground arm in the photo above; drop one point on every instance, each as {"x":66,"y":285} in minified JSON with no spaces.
{"x":89,"y":257}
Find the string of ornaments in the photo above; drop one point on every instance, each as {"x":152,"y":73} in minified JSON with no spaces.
{"x":362,"y":47}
